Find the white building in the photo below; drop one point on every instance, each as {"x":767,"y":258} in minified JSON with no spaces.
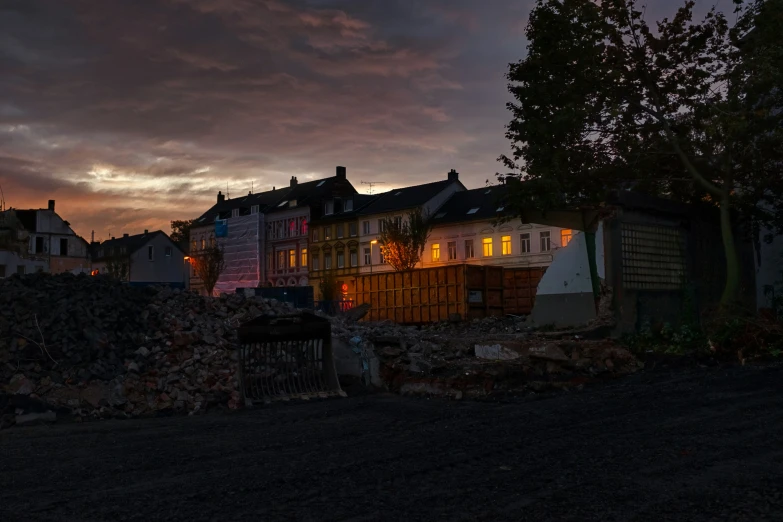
{"x":150,"y":258}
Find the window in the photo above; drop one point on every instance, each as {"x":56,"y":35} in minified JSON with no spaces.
{"x":367,"y":257}
{"x":546,"y":241}
{"x":354,"y":258}
{"x":380,"y":255}
{"x":254,"y":209}
{"x":292,"y":258}
{"x":235,"y":212}
{"x":20,"y":269}
{"x":292,"y":228}
{"x":365,"y":227}
{"x":327,"y":261}
{"x":452,"y":248}
{"x":151,"y":253}
{"x":486,"y":245}
{"x":2,"y":271}
{"x":203,"y":243}
{"x":473,"y":210}
{"x":193,"y":246}
{"x":329,"y":208}
{"x":39,"y":245}
{"x":505,"y":245}
{"x":304,"y":227}
{"x":316,"y":234}
{"x":316,"y":262}
{"x":341,"y":259}
{"x":398,"y":221}
{"x":565,"y":236}
{"x":380,"y":225}
{"x":168,"y":251}
{"x":352,"y":229}
{"x":435,"y":252}
{"x":280,"y":259}
{"x":327,"y":233}
{"x":269,"y":261}
{"x":282,"y":204}
{"x":63,"y":246}
{"x":303,"y":264}
{"x":348,"y":205}
{"x":469,"y":253}
{"x":524,"y":243}
{"x":340,"y":231}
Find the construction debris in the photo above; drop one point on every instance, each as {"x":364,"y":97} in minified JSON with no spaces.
{"x":103,"y":349}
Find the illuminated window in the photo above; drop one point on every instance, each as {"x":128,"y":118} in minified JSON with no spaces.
{"x":380,"y":254}
{"x":354,"y":258}
{"x":304,"y":258}
{"x":505,"y":245}
{"x":469,"y":252}
{"x":435,"y":252}
{"x":304,"y":228}
{"x":452,"y":248}
{"x":327,"y":234}
{"x":292,"y":228}
{"x":292,"y":258}
{"x":203,"y":243}
{"x":280,"y":259}
{"x":341,"y":259}
{"x":524,"y":243}
{"x":565,"y":236}
{"x":486,"y":244}
{"x":316,"y":262}
{"x":327,"y":261}
{"x":546,"y":241}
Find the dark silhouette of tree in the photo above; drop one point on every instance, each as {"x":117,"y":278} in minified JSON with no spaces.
{"x":208,"y":263}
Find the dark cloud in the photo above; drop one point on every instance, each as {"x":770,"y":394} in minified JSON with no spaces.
{"x":133,"y":113}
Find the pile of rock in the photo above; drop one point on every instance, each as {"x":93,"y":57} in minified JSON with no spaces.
{"x":100,"y":348}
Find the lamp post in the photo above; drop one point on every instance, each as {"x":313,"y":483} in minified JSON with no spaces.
{"x":186,"y":282}
{"x":374,"y":241}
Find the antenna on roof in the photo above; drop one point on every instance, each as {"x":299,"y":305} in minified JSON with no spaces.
{"x":251,"y":186}
{"x":228,"y":194}
{"x":2,"y":199}
{"x":371,"y":184}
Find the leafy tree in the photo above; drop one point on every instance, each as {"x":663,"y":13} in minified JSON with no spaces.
{"x":402,"y":243}
{"x":13,"y":236}
{"x":180,"y":233}
{"x":118,"y":266}
{"x":689,"y":111}
{"x":208,"y":263}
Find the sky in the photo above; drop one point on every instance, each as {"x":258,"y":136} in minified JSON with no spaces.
{"x":132,"y":113}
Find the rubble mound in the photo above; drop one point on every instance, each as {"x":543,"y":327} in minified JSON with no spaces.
{"x":103,"y":348}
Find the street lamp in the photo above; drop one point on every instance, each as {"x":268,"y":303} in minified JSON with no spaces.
{"x":374,"y":241}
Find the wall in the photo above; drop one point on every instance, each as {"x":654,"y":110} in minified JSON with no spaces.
{"x":769,"y":271}
{"x":11,"y":261}
{"x":51,"y":227}
{"x":163,"y":268}
{"x":565,"y":293}
{"x":275,"y":242}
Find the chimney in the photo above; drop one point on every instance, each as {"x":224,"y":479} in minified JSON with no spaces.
{"x":51,"y":205}
{"x":453,"y":175}
{"x":293,"y":181}
{"x":146,"y":231}
{"x":112,"y":237}
{"x":221,"y":198}
{"x":341,"y":172}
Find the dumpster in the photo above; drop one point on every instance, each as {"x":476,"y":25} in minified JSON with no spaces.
{"x":287,"y":357}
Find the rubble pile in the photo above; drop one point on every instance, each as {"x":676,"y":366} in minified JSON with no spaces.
{"x":100,"y":348}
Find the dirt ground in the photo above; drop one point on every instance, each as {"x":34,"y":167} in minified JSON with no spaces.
{"x":685,"y":445}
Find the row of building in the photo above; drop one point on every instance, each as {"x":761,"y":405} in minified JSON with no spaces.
{"x":292,"y":236}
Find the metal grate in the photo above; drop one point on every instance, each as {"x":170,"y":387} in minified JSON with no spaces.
{"x":287,"y":357}
{"x":653,"y":257}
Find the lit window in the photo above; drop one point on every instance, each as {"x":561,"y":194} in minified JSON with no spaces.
{"x":327,"y":261}
{"x":505,"y":245}
{"x":452,"y":248}
{"x":327,"y":234}
{"x":565,"y":236}
{"x":524,"y":243}
{"x":292,"y":228}
{"x":473,"y":210}
{"x":354,"y":258}
{"x":341,"y":259}
{"x":367,"y":257}
{"x":469,"y":252}
{"x":382,"y":259}
{"x":292,"y":258}
{"x":486,"y":244}
{"x":365,"y":227}
{"x":435,"y":252}
{"x":352,"y":229}
{"x":304,"y":258}
{"x":316,"y":262}
{"x":304,"y":227}
{"x":546,"y":241}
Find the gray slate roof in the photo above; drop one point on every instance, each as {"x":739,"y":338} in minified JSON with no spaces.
{"x":481,"y":204}
{"x":406,"y":197}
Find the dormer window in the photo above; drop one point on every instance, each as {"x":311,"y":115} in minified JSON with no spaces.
{"x":235,"y":212}
{"x":329,"y":208}
{"x":473,"y":210}
{"x":348,"y":205}
{"x":254,"y":209}
{"x":292,"y":203}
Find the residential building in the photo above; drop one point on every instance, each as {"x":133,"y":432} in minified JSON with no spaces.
{"x":473,"y":227}
{"x":334,"y":243}
{"x":395,"y":204}
{"x":46,"y":242}
{"x":148,"y":258}
{"x":264,"y":236}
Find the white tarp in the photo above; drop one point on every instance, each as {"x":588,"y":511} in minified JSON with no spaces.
{"x":242,"y":254}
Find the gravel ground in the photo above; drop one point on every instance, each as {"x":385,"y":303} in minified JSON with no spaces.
{"x":686,"y":444}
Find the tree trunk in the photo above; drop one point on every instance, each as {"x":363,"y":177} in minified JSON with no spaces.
{"x":731,"y":289}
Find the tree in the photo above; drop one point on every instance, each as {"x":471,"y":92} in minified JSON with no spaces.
{"x":180,"y":233}
{"x":118,"y":266}
{"x":208,"y":263}
{"x":402,"y":242}
{"x":687,"y":111}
